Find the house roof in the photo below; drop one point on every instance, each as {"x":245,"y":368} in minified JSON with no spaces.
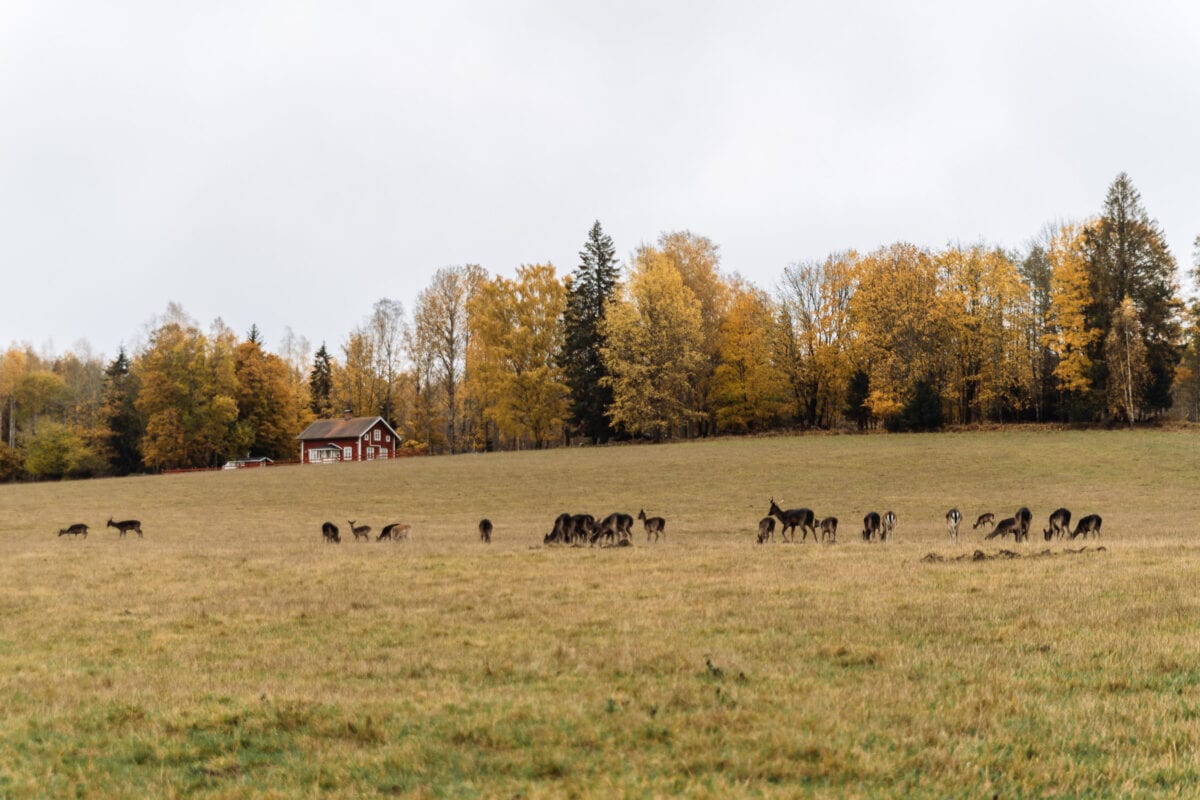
{"x":342,"y":428}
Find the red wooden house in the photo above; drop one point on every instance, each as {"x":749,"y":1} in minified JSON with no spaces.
{"x":350,"y":438}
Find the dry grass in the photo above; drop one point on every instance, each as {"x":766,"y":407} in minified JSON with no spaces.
{"x":231,"y":653}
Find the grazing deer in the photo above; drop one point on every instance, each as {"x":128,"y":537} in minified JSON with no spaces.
{"x":582,"y":526}
{"x":624,"y":527}
{"x":828,"y":528}
{"x":793,"y":518}
{"x":125,"y":526}
{"x":561,"y":531}
{"x":988,"y":519}
{"x":1060,"y":524}
{"x":1004,"y":527}
{"x":485,"y":531}
{"x":889,"y":527}
{"x":395,"y":532}
{"x":871,"y":526}
{"x":766,"y":529}
{"x":78,"y":529}
{"x":360,"y":531}
{"x":330,"y":533}
{"x":953,"y":518}
{"x":655,"y":526}
{"x":1024,"y":519}
{"x":1088,"y":525}
{"x":611,"y":528}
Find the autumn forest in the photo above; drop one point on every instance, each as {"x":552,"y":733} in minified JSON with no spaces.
{"x":1086,"y":325}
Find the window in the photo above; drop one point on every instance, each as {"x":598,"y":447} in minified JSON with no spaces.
{"x":376,"y":437}
{"x":348,"y":453}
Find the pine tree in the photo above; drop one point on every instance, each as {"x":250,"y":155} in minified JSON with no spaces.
{"x":320,"y":384}
{"x":1127,"y":256}
{"x":123,"y":420}
{"x":592,"y":286}
{"x":858,"y":391}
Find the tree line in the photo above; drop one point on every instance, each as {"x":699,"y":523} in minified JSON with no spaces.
{"x":1087,"y":324}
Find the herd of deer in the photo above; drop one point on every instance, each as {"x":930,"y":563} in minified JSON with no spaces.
{"x":616,"y":529}
{"x":883,"y":527}
{"x":124,"y":527}
{"x":394,"y":532}
{"x":1018,"y":525}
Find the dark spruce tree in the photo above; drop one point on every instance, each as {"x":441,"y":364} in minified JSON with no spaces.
{"x":123,"y":441}
{"x":320,"y":384}
{"x":922,"y":412}
{"x":592,"y":286}
{"x":1128,"y":255}
{"x":857,"y":393}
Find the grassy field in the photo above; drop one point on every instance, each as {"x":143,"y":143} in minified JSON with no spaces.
{"x":230,"y":653}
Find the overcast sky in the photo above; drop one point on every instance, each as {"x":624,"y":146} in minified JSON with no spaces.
{"x":290,"y":163}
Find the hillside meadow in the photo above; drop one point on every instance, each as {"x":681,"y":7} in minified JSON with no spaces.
{"x":230,"y":653}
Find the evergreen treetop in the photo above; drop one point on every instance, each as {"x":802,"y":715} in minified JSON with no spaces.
{"x":593,"y":284}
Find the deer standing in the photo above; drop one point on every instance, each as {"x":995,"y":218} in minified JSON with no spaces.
{"x":793,"y":518}
{"x":871,"y":526}
{"x":485,"y":531}
{"x":126,"y":525}
{"x":953,"y":518}
{"x":889,"y":527}
{"x":655,"y":526}
{"x":828,"y":528}
{"x":360,"y":531}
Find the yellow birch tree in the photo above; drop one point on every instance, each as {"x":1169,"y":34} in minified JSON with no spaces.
{"x":749,"y":391}
{"x":901,"y":323}
{"x":1070,"y":335}
{"x":515,"y":338}
{"x":655,"y":336}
